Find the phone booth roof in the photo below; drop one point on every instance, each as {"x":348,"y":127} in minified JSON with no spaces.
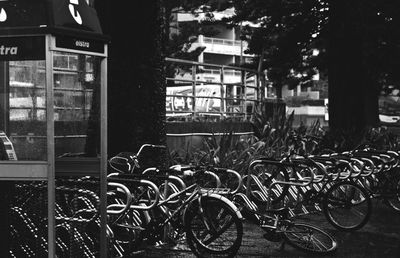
{"x":66,"y":17}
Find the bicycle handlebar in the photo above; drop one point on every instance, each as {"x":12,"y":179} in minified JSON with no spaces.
{"x":131,"y":161}
{"x":146,"y":145}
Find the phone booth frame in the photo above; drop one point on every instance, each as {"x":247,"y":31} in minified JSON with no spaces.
{"x":52,"y":39}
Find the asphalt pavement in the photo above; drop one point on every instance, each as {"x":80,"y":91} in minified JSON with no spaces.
{"x":379,"y":238}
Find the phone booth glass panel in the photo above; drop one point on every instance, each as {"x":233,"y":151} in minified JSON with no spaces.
{"x":76,"y":105}
{"x":23,"y":105}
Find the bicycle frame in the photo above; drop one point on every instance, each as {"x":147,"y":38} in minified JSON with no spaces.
{"x":195,"y":192}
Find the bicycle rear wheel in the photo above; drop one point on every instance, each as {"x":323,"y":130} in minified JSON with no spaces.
{"x":309,"y":238}
{"x":215,"y":232}
{"x":347,"y":206}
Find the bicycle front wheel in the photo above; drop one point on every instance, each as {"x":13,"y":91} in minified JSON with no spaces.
{"x":309,"y":238}
{"x":214,"y":229}
{"x":347,"y":206}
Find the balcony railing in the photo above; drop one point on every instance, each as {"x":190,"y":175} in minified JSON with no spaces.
{"x":223,"y":46}
{"x":218,"y":72}
{"x":211,"y":92}
{"x":228,"y":42}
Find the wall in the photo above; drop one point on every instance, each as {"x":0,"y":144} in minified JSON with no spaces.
{"x":186,"y":137}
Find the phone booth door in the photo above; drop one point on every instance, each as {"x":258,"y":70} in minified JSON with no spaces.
{"x":79,"y":108}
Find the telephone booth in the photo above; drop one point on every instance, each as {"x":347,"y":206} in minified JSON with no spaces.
{"x":53,"y":148}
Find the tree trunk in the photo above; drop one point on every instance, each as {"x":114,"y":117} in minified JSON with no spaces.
{"x":353,"y":91}
{"x":136,"y":76}
{"x":278,"y":90}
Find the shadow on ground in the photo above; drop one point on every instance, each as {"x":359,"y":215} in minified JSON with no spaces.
{"x":379,"y":238}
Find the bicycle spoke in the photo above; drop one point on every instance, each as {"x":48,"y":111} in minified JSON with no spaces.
{"x":218,"y":233}
{"x":319,"y":244}
{"x":223,"y":233}
{"x":309,"y":238}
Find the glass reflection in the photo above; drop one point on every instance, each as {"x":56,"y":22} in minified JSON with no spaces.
{"x":76,"y":105}
{"x":23,"y":108}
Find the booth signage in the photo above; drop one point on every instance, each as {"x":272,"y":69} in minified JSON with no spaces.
{"x":22,"y":48}
{"x":23,"y":13}
{"x":80,"y":44}
{"x":73,"y":14}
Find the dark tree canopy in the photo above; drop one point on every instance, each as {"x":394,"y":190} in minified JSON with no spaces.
{"x":358,"y":43}
{"x":285,"y":36}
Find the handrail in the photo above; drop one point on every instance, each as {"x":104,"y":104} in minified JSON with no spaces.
{"x":190,"y":94}
{"x":208,"y":64}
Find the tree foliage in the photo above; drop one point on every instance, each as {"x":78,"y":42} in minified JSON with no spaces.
{"x":285,"y":35}
{"x":288,"y":32}
{"x":181,"y":36}
{"x":358,"y":43}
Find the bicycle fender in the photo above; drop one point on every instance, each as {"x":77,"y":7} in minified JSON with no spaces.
{"x":226,"y":201}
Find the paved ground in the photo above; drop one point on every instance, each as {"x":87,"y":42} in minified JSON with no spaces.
{"x":380,"y":238}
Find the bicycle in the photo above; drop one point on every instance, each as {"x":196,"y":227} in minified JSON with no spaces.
{"x":384,"y":181}
{"x":212,"y":224}
{"x":280,"y":228}
{"x":345,"y":204}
